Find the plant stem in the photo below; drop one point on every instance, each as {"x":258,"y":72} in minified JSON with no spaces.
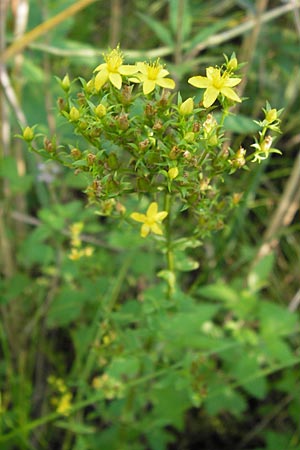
{"x":169,"y":250}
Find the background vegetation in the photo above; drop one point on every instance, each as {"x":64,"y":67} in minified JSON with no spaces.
{"x":90,"y":356}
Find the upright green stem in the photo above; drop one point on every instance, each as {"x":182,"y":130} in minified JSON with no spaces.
{"x":169,"y":250}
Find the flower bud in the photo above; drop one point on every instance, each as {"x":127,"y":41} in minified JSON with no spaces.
{"x":112,"y":161}
{"x":28,"y":134}
{"x":187,"y":107}
{"x":187,"y":155}
{"x":120,"y":208}
{"x":89,"y":87}
{"x":65,"y":83}
{"x":143,"y":184}
{"x":204,"y":184}
{"x":174,"y":153}
{"x":158,"y":125}
{"x":143,"y":145}
{"x":190,"y":136}
{"x":271,"y":115}
{"x":236,"y":198}
{"x":126,"y":94}
{"x":173,"y":173}
{"x":150,"y":110}
{"x":266,"y":144}
{"x":123,"y":121}
{"x":100,"y":110}
{"x":48,"y":145}
{"x":75,"y":153}
{"x":239,"y":160}
{"x":62,"y":105}
{"x":232,"y":64}
{"x":91,"y":158}
{"x":74,"y":114}
{"x":196,"y":127}
{"x":210,"y":123}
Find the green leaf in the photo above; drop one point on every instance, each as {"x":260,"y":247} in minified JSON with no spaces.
{"x":241,"y":303}
{"x":185,"y":328}
{"x":276,"y":320}
{"x":75,"y":427}
{"x":33,"y":253}
{"x":180,"y":18}
{"x":240,"y":124}
{"x":219,"y":292}
{"x":224,"y":400}
{"x":65,"y":308}
{"x":275,"y":349}
{"x":185,"y":263}
{"x":14,"y":287}
{"x":124,"y":367}
{"x":258,"y":277}
{"x":206,"y":32}
{"x":9,"y":171}
{"x":242,"y":368}
{"x":160,"y":30}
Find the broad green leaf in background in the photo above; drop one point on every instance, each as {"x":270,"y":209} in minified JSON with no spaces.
{"x":9,"y":171}
{"x":240,"y":124}
{"x":161,"y":30}
{"x":276,"y":320}
{"x":180,"y":17}
{"x":225,"y":399}
{"x":258,"y":277}
{"x":66,"y":307}
{"x":206,"y":32}
{"x":246,"y":365}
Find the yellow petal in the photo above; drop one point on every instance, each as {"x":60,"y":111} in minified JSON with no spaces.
{"x":167,"y":83}
{"x":100,"y":79}
{"x":138,"y":217}
{"x":213,"y":73}
{"x":145,"y":230}
{"x":142,"y":67}
{"x":230,"y":82}
{"x":163,"y":214}
{"x":127,"y":70}
{"x":162,"y":73}
{"x":115,"y":79}
{"x":210,"y":96}
{"x":228,"y":92}
{"x":199,"y":82}
{"x":156,"y":229}
{"x":148,"y":86}
{"x":152,"y":210}
{"x":100,"y":67}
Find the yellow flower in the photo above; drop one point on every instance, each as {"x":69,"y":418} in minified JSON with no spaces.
{"x":151,"y":75}
{"x":150,"y":220}
{"x":64,"y":404}
{"x":216,"y":84}
{"x":112,"y":70}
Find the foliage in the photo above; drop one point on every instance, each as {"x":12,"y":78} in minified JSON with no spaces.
{"x":98,"y":351}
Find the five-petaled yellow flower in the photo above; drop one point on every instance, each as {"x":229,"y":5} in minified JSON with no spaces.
{"x":151,"y":75}
{"x":112,"y":70}
{"x":151,"y":220}
{"x":215,"y":84}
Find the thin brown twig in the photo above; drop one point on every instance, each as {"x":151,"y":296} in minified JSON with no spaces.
{"x":25,"y":218}
{"x":43,"y":28}
{"x":115,"y":23}
{"x":284,"y":214}
{"x":163,"y":51}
